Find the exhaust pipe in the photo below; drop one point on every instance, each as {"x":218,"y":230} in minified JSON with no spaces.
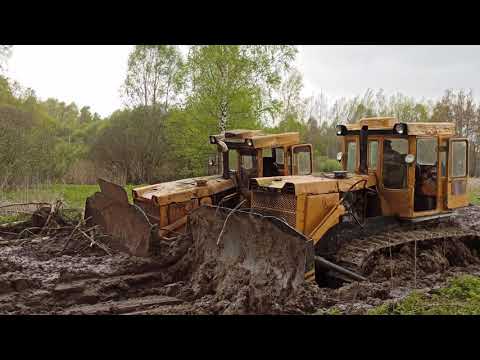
{"x":226,"y":166}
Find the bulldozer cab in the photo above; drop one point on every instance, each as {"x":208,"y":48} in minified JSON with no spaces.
{"x":421,"y":168}
{"x":248,"y":154}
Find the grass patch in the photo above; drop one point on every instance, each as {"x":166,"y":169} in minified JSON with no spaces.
{"x":4,"y":219}
{"x":74,"y":196}
{"x":460,"y":297}
{"x":474,"y":190}
{"x":474,"y":198}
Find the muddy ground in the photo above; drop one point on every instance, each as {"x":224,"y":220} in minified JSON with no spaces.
{"x":55,"y":274}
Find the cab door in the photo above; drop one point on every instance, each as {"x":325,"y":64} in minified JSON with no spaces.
{"x":301,"y":159}
{"x":248,"y":167}
{"x":457,"y":195}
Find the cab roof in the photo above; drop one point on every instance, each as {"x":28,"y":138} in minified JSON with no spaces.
{"x":413,"y":128}
{"x":239,"y":138}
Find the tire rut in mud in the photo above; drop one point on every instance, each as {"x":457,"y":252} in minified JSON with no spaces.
{"x":37,"y":277}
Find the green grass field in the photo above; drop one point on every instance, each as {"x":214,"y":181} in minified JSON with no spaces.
{"x":74,"y":196}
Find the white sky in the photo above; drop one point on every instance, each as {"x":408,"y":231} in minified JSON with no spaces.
{"x":92,"y":74}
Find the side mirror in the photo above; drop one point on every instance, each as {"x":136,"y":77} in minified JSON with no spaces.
{"x":410,"y":158}
{"x":212,"y":168}
{"x":339,"y":156}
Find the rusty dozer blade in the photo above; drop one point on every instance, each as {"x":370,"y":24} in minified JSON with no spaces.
{"x":129,"y":227}
{"x":266,"y":247}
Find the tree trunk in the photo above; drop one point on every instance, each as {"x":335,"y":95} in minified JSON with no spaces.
{"x":223,"y":117}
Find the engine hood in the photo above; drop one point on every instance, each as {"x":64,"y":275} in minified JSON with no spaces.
{"x":183,"y":190}
{"x":312,"y":184}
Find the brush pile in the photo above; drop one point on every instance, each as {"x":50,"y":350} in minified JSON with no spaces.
{"x":63,"y":228}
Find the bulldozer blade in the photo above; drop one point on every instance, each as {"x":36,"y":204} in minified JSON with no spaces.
{"x":266,"y":247}
{"x":127,"y":225}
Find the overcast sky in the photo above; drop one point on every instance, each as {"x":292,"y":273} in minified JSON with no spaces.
{"x":92,"y":75}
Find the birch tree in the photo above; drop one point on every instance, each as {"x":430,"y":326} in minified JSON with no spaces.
{"x":231,"y":85}
{"x":154,"y":76}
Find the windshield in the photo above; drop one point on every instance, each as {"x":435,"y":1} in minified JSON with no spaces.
{"x":427,"y":151}
{"x":302,"y":160}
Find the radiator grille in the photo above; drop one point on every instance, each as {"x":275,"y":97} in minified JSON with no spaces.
{"x":283,"y":206}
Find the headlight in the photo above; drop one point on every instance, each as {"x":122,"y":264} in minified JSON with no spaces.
{"x":341,"y":130}
{"x":410,"y":158}
{"x":212,"y":140}
{"x":400,"y":129}
{"x":250,"y":142}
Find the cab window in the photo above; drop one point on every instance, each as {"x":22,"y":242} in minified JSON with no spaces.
{"x":394,"y":166}
{"x":459,"y":158}
{"x":302,"y":160}
{"x":273,"y":162}
{"x":248,"y":162}
{"x":232,"y":160}
{"x":427,"y":151}
{"x":351,"y":156}
{"x":279,"y":155}
{"x":443,"y":157}
{"x":372,"y":154}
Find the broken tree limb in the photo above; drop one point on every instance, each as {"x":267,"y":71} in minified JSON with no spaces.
{"x":93,"y":242}
{"x":81,"y":222}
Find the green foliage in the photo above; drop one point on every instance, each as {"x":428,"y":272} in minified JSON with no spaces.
{"x":40,"y":140}
{"x":460,"y":297}
{"x":154,"y":77}
{"x":26,"y":145}
{"x":6,"y":95}
{"x":132,"y":143}
{"x":326,"y":165}
{"x":232,"y":83}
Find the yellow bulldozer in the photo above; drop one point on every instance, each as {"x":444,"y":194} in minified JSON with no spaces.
{"x":398,"y":180}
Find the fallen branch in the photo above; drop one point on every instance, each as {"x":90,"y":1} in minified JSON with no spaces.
{"x":52,"y":211}
{"x":93,"y":242}
{"x":8,"y":233}
{"x":27,"y":230}
{"x":81,"y":222}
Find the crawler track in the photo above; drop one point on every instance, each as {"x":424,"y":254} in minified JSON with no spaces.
{"x":359,"y":252}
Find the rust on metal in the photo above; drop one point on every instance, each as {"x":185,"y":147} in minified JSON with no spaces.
{"x":127,"y":224}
